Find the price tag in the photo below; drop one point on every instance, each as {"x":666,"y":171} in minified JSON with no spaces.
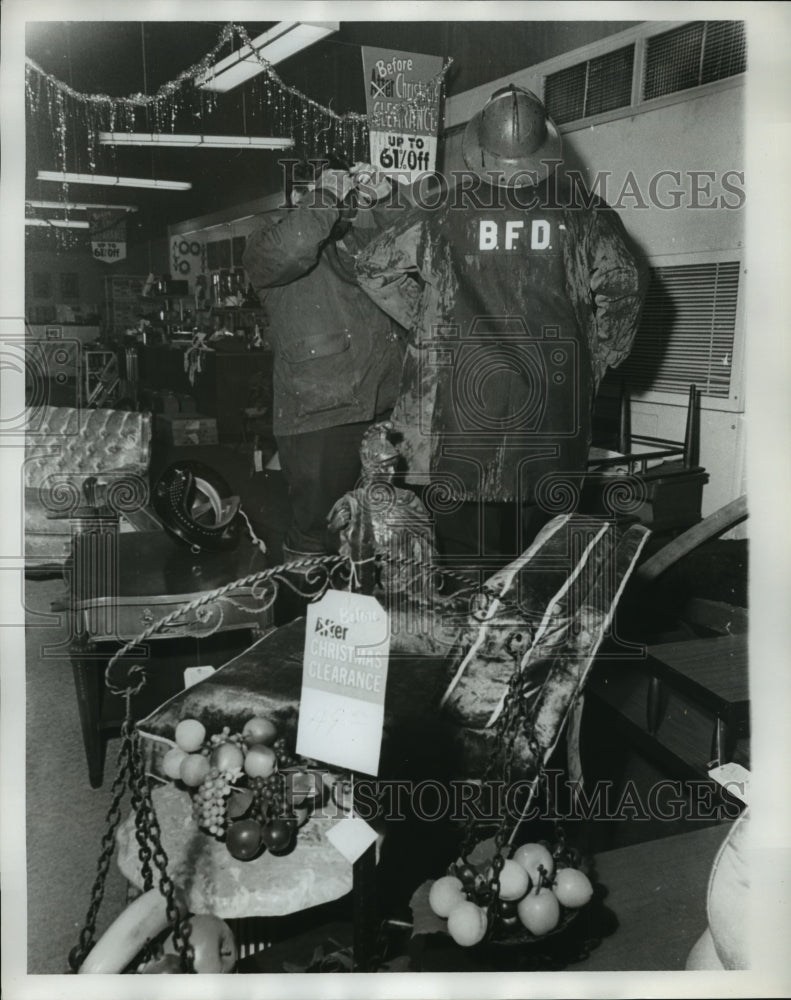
{"x":344,"y":677}
{"x":735,"y":779}
{"x":352,"y":837}
{"x":193,"y":675}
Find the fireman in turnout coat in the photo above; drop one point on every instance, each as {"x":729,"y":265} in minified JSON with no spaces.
{"x":516,"y":303}
{"x":337,"y":356}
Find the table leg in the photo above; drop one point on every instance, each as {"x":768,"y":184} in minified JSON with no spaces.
{"x":723,"y":741}
{"x":88,"y":686}
{"x":365,"y":906}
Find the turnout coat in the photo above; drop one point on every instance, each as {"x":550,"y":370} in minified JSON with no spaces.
{"x":514,"y":314}
{"x":337,"y":357}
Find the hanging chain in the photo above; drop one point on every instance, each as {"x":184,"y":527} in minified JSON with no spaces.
{"x":149,"y":824}
{"x":138,"y":811}
{"x":130,"y":770}
{"x":513,"y":719}
{"x":130,"y":767}
{"x":88,"y":933}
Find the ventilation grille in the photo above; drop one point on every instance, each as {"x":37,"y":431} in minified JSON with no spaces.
{"x":590,"y":88}
{"x":692,"y":55}
{"x":687,"y":330}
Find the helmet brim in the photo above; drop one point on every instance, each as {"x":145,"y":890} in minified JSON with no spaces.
{"x":501,"y":171}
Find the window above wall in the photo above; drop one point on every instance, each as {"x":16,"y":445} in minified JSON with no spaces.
{"x":590,"y":87}
{"x":656,"y":64}
{"x":692,"y":55}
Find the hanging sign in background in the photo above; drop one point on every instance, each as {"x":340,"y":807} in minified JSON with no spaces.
{"x":344,"y":676}
{"x":402,"y":92}
{"x":108,"y":236}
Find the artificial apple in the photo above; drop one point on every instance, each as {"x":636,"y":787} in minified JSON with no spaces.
{"x":444,"y":894}
{"x":189,"y":735}
{"x":532,"y":857}
{"x":227,"y":757}
{"x":171,"y":763}
{"x":194,"y":769}
{"x":212,"y":942}
{"x":467,"y":923}
{"x":260,"y":761}
{"x":514,"y":881}
{"x":259,"y":730}
{"x":572,"y":888}
{"x":539,"y":911}
{"x":279,"y":835}
{"x":243,"y":839}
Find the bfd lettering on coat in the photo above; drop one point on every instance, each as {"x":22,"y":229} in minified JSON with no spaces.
{"x":511,"y":234}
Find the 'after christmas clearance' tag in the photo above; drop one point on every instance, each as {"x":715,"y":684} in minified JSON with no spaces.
{"x":344,"y":677}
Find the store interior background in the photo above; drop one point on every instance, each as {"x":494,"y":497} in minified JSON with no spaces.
{"x":688,"y":129}
{"x":693,"y":129}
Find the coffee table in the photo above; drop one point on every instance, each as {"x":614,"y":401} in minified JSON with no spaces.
{"x":116,"y":596}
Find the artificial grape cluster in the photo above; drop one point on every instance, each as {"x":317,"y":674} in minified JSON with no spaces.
{"x":209,"y":801}
{"x":268,"y":797}
{"x":216,"y":739}
{"x":284,"y":757}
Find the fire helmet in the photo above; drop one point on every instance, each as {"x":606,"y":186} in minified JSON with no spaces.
{"x":511,"y":141}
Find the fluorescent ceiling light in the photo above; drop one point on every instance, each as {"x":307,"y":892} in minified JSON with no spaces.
{"x":109,"y":181}
{"x":59,"y":223}
{"x":216,"y":141}
{"x":79,"y":206}
{"x":275,"y":45}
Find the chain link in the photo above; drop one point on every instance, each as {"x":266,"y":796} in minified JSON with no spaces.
{"x":513,"y":719}
{"x":150,"y":825}
{"x":141,"y":826}
{"x":87,"y":935}
{"x":130,"y":767}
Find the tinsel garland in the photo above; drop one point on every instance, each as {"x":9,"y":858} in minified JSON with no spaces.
{"x":315,"y":128}
{"x":76,"y":119}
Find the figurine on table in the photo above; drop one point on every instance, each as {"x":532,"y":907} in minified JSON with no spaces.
{"x":378,"y":522}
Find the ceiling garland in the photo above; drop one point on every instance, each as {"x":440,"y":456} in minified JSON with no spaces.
{"x":316,"y":129}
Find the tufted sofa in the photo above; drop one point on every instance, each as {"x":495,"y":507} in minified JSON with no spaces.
{"x":64,"y":448}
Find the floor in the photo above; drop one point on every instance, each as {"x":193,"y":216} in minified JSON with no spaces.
{"x":62,"y":809}
{"x":65,"y":816}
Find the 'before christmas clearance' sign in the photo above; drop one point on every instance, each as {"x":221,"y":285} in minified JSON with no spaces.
{"x":402,"y":92}
{"x":344,"y":676}
{"x":108,"y":236}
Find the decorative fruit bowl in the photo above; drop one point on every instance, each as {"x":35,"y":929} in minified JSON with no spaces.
{"x":247,"y":788}
{"x":518,"y":901}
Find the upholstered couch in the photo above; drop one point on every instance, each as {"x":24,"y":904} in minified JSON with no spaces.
{"x":65,"y":448}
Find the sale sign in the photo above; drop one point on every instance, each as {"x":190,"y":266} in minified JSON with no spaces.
{"x":108,"y":236}
{"x":403,"y":103}
{"x":344,"y":676}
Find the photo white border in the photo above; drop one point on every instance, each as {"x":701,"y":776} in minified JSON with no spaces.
{"x":769,"y":477}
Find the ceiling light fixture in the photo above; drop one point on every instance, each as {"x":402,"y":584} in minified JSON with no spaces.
{"x":275,"y":45}
{"x":79,"y":206}
{"x":189,"y":141}
{"x":109,"y":181}
{"x":59,"y":223}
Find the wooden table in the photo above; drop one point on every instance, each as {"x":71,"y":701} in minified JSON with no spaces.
{"x":120,"y":590}
{"x":685,"y":703}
